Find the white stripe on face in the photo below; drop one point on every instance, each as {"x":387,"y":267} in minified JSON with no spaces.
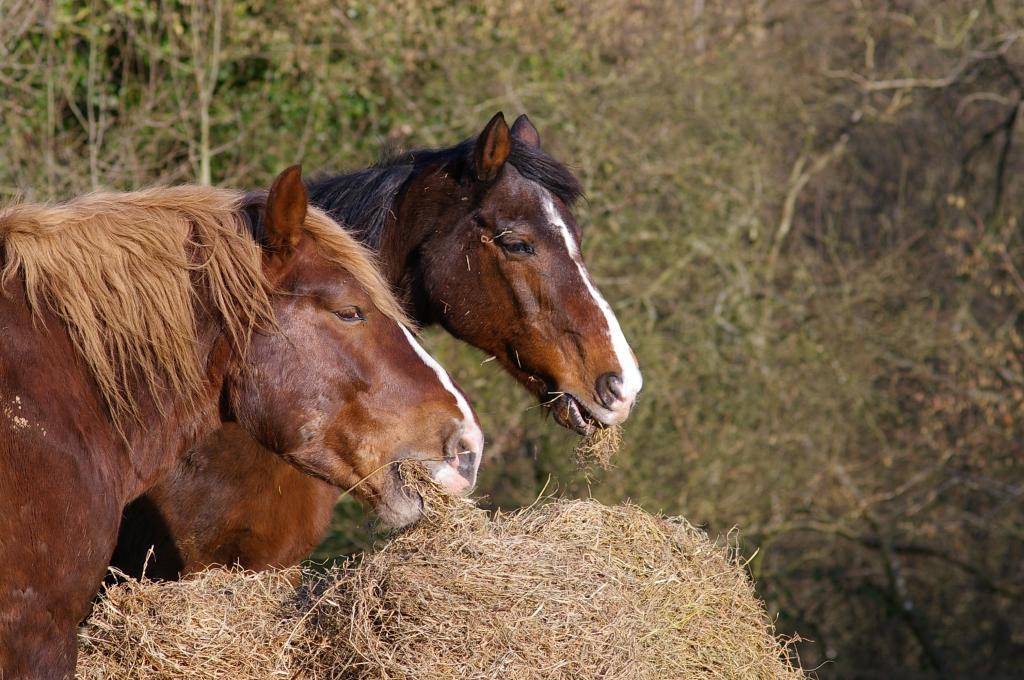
{"x":471,"y":430}
{"x":632,"y":381}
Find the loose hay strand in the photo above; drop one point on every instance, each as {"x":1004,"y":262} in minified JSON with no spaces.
{"x":599,"y":447}
{"x":567,"y":589}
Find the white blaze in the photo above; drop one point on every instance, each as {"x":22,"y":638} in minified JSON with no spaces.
{"x":632,"y":381}
{"x":471,"y":431}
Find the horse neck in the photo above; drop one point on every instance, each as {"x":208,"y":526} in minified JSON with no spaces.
{"x":416,"y":214}
{"x":162,"y":435}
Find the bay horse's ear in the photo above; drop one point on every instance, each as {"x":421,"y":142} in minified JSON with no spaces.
{"x":524,"y":131}
{"x":492,"y":148}
{"x":285,"y":211}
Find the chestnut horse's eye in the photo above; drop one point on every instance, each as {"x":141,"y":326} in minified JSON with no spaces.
{"x":350,"y":314}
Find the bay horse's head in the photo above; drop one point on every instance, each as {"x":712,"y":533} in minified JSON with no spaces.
{"x":342,"y":389}
{"x":502,"y":268}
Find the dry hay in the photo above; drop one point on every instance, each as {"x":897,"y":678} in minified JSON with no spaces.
{"x":598,"y":447}
{"x":220,"y":624}
{"x":568,"y":589}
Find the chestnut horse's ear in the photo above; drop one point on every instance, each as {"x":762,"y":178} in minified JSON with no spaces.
{"x":524,"y":131}
{"x":492,"y":148}
{"x":285,"y":211}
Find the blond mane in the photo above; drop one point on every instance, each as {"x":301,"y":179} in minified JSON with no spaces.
{"x":129,"y":274}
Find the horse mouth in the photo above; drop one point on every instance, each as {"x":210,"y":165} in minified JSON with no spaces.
{"x":569,"y":411}
{"x":399,"y":505}
{"x":572,"y":415}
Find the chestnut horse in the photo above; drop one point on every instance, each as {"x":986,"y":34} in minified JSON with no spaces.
{"x":137,"y":324}
{"x":478,"y":237}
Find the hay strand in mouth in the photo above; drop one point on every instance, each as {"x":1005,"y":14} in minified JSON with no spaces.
{"x":599,"y":447}
{"x":438,"y":505}
{"x":567,"y":589}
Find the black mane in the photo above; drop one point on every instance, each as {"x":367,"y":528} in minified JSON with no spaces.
{"x":362,"y":200}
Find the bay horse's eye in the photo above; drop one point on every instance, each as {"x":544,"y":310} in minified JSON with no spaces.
{"x":520,"y":247}
{"x":350,"y":314}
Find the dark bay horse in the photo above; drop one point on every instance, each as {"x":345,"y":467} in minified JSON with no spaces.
{"x":137,"y":324}
{"x":478,"y":237}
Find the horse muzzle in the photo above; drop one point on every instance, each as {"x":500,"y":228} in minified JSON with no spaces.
{"x":457,"y":471}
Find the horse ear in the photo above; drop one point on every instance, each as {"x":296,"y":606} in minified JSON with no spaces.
{"x":524,"y":131}
{"x":285,"y":211}
{"x":492,"y":148}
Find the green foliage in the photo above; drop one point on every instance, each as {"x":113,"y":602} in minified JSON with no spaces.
{"x":805,"y":215}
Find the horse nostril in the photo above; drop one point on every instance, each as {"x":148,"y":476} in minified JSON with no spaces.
{"x":467,"y":463}
{"x":463,"y":451}
{"x":609,"y":389}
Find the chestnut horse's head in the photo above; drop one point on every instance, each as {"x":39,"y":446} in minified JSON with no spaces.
{"x":501,"y":267}
{"x":342,"y":389}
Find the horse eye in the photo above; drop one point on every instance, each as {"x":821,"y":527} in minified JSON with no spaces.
{"x":350,"y":314}
{"x":521,"y":247}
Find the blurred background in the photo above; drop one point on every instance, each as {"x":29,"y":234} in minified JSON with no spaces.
{"x":805,"y":213}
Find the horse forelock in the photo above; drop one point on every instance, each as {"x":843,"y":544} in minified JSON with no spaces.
{"x":127,"y":273}
{"x":536,"y":165}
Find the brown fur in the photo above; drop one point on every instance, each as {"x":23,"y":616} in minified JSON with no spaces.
{"x":141,"y":305}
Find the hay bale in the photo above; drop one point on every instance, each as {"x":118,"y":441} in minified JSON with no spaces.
{"x":568,"y":589}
